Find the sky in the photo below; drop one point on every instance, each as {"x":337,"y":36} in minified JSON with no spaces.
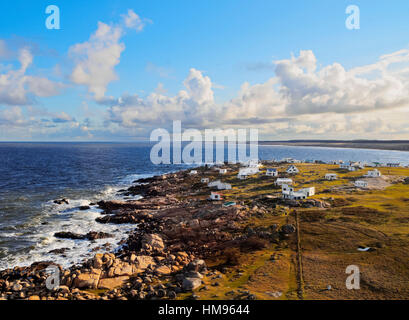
{"x":117,"y":70}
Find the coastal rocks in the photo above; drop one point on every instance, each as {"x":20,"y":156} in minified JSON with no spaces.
{"x":61,"y":201}
{"x":111,"y":283}
{"x":117,"y":204}
{"x":97,"y":235}
{"x":59,"y":251}
{"x":152,"y":242}
{"x":69,"y":235}
{"x":143,"y":262}
{"x":92,"y":235}
{"x":88,"y":280}
{"x":163,"y":270}
{"x":190,"y":284}
{"x":197,"y":265}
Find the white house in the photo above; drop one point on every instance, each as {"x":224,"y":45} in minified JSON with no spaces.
{"x":204,"y":180}
{"x":361,"y":184}
{"x":344,"y":165}
{"x":289,"y":193}
{"x":214,"y":184}
{"x":224,"y":186}
{"x":248,"y":171}
{"x":292,"y":169}
{"x":193,"y":172}
{"x":214,"y":196}
{"x":281,"y":181}
{"x":219,"y":185}
{"x":272,"y":172}
{"x":331,"y":176}
{"x":252,"y":163}
{"x":351,"y":166}
{"x":242,"y":176}
{"x":222,"y":171}
{"x":373,"y":173}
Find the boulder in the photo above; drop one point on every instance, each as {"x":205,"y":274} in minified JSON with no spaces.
{"x":197,"y":265}
{"x":93,"y":235}
{"x":163,"y":270}
{"x":61,"y":201}
{"x":68,"y":235}
{"x":122,"y":269}
{"x":87,"y":280}
{"x":153,"y":241}
{"x":111,"y":283}
{"x":190,"y":284}
{"x":143,"y":262}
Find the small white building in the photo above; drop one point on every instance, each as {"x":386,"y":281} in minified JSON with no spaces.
{"x":252,"y":163}
{"x":219,"y":185}
{"x":224,"y":186}
{"x":272,"y":172}
{"x":331,"y":176}
{"x":214,"y":184}
{"x":292,"y":169}
{"x":282,"y":181}
{"x":244,"y":173}
{"x":361,"y":184}
{"x":204,"y":180}
{"x":193,"y":172}
{"x":222,"y":171}
{"x":289,"y":193}
{"x":242,"y":176}
{"x":373,"y":173}
{"x":214,"y":196}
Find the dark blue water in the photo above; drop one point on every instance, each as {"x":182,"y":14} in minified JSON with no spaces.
{"x":32,"y":175}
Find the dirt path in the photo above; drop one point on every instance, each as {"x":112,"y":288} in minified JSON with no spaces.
{"x":300,"y":278}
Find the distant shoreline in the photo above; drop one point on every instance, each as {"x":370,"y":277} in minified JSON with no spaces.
{"x":401,"y":145}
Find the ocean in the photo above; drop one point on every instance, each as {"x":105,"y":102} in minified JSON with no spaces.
{"x":33,"y":175}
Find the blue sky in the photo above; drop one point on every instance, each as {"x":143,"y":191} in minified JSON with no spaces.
{"x":215,"y":47}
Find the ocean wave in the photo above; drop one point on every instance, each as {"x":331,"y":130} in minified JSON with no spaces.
{"x":54,"y":218}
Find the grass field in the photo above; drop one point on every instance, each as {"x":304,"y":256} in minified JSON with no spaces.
{"x":329,"y":238}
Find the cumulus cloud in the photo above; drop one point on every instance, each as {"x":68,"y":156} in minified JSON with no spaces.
{"x":134,"y":21}
{"x":96,"y":59}
{"x":291,"y":103}
{"x":18,"y":88}
{"x":191,"y":105}
{"x":334,"y":89}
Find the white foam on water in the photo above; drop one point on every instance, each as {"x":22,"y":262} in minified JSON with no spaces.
{"x":68,"y":218}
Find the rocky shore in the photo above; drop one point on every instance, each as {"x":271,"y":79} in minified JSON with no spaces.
{"x":177,"y":230}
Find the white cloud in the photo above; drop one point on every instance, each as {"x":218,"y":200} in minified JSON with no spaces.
{"x":134,"y":21}
{"x":334,"y":89}
{"x":96,"y":59}
{"x":191,"y":105}
{"x":17,"y":88}
{"x":301,"y":100}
